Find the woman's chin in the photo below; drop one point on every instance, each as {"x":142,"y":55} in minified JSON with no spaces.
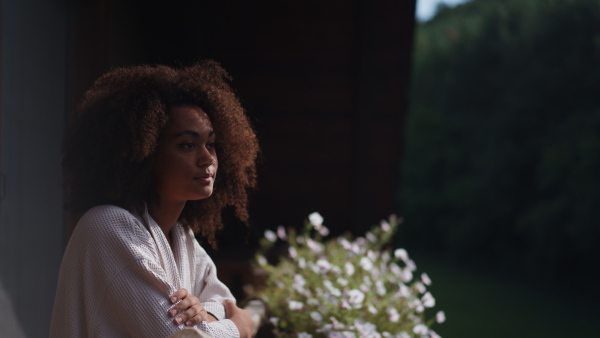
{"x":202,"y":195}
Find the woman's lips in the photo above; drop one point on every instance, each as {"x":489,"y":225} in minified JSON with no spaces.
{"x":204,"y":179}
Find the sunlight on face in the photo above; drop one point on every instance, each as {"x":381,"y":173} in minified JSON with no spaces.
{"x":186,"y":161}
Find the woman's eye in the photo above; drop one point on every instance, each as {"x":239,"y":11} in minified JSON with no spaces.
{"x":186,"y":146}
{"x":210,"y":145}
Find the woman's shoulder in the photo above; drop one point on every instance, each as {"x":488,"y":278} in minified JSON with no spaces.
{"x":108,"y":238}
{"x":105,"y":222}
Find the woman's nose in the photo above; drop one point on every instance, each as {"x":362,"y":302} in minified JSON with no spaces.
{"x":206,"y":157}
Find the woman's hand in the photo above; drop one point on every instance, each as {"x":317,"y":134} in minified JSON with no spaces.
{"x":240,"y":317}
{"x":189,"y":310}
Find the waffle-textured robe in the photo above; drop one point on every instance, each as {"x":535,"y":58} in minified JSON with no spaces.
{"x":118,"y":272}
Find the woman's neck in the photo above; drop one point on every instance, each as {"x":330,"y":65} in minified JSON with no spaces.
{"x":166,"y":215}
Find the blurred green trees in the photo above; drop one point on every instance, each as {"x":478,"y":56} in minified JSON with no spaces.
{"x":502,"y":157}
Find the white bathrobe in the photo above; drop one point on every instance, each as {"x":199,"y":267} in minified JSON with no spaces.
{"x":118,"y":272}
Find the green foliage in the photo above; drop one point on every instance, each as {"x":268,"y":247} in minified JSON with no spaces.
{"x":343,"y":287}
{"x":503,"y":141}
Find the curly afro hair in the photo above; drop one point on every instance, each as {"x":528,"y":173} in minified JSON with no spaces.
{"x":110,"y":145}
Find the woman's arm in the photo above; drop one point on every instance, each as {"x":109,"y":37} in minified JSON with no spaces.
{"x":112,"y":282}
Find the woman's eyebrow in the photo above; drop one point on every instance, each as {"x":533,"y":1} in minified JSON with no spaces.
{"x":192,"y":133}
{"x":187,"y":132}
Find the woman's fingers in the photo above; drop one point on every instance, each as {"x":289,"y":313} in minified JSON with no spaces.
{"x":179,"y":294}
{"x":191,"y":316}
{"x":185,"y":302}
{"x":194,"y":316}
{"x":189,"y":310}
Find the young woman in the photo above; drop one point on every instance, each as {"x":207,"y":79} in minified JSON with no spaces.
{"x":153,"y":157}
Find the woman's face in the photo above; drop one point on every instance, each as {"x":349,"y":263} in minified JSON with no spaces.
{"x":186,"y":162}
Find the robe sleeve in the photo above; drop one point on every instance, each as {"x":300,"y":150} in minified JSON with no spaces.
{"x":214,"y":292}
{"x":144,"y":290}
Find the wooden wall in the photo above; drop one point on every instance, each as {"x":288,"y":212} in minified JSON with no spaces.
{"x":325,"y":83}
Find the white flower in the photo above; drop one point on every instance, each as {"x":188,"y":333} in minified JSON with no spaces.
{"x":349,"y":268}
{"x":385,"y":226}
{"x":323,"y":230}
{"x":366,"y":329}
{"x":440,"y":317}
{"x":332,"y":289}
{"x":325,"y":328}
{"x":319,"y":291}
{"x":345,"y":244}
{"x":410,"y":264}
{"x":371,"y":237}
{"x":336,"y":324}
{"x":403,"y":290}
{"x":403,"y":334}
{"x":375,"y":272}
{"x":364,"y":288}
{"x":300,"y":240}
{"x":304,"y":335}
{"x":314,"y":246}
{"x":294,"y":305}
{"x":372,"y":255}
{"x":428,"y":300}
{"x":420,"y":329}
{"x":299,"y":283}
{"x":393,"y":315}
{"x":342,"y":281}
{"x":315,"y":219}
{"x":407,"y":275}
{"x":396,"y":270}
{"x":355,"y":298}
{"x":385,"y":256}
{"x":270,"y":236}
{"x":313,"y":301}
{"x":380,"y":288}
{"x":366,"y":264}
{"x":328,"y":298}
{"x":401,"y":254}
{"x":316,"y":316}
{"x":413,"y":303}
{"x":342,"y":334}
{"x":355,"y":248}
{"x":372,"y":309}
{"x":274,"y":320}
{"x":433,"y":334}
{"x":420,"y":287}
{"x":336,"y":269}
{"x":425,"y":278}
{"x":323,"y":265}
{"x":293,"y":252}
{"x":281,"y":232}
{"x":314,"y":267}
{"x":262,"y":261}
{"x":302,"y":263}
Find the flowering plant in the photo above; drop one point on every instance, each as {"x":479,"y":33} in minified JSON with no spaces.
{"x":343,"y":287}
